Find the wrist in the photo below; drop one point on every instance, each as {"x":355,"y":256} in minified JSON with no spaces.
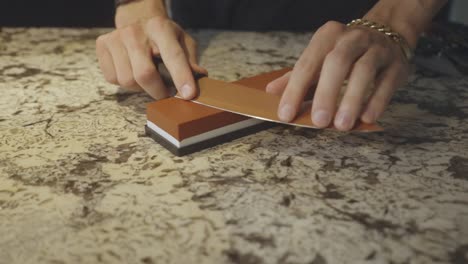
{"x":135,"y":11}
{"x":409,"y":18}
{"x":397,"y":23}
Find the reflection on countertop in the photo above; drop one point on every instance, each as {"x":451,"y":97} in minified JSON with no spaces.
{"x":81,"y":183}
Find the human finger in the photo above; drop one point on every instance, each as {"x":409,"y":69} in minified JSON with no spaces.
{"x":391,"y":79}
{"x":143,"y":68}
{"x":105,"y":60}
{"x":166,"y":35}
{"x":307,"y":69}
{"x":336,"y":68}
{"x":123,"y":67}
{"x":361,"y":80}
{"x":279,"y":85}
{"x":191,"y":50}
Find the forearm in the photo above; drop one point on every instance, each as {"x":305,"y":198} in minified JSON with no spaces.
{"x":407,"y":17}
{"x":138,"y":10}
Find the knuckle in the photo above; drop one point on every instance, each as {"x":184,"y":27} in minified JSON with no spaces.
{"x":127,"y":81}
{"x":366,"y":66}
{"x":178,"y":54}
{"x":101,"y":41}
{"x":336,"y":57}
{"x":381,"y":49}
{"x":360,"y":33}
{"x":131,"y":31}
{"x":331,"y":26}
{"x":155,"y":21}
{"x":357,"y":36}
{"x":145,"y":75}
{"x":158,"y":23}
{"x":342,"y":46}
{"x":132,"y":38}
{"x":302,"y":65}
{"x":110,"y":78}
{"x":113,"y":37}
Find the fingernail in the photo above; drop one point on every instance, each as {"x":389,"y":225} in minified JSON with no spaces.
{"x":186,"y":91}
{"x":286,"y":113}
{"x":343,"y":121}
{"x":321,"y":118}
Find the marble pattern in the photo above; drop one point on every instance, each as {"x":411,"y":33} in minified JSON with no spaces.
{"x":81,"y":183}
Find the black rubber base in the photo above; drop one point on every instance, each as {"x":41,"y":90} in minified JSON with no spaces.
{"x":209,"y":142}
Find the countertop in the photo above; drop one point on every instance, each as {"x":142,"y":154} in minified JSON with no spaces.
{"x":81,"y":183}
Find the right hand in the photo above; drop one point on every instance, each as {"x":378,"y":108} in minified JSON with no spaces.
{"x":126,"y":56}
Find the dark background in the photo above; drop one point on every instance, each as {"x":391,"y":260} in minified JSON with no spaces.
{"x":68,"y":13}
{"x":57,"y":13}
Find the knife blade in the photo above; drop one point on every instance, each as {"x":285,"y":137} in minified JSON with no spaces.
{"x":251,"y":102}
{"x":257,"y":104}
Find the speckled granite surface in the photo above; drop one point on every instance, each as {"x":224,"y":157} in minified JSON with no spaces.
{"x":81,"y":183}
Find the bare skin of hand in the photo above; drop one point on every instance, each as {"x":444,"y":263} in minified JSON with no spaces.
{"x":126,"y":54}
{"x":362,"y":56}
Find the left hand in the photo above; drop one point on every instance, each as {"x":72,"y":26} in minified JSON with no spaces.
{"x":364,"y":57}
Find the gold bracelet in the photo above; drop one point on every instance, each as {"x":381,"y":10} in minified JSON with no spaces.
{"x":397,"y":38}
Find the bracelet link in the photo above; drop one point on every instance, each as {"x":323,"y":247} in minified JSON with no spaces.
{"x":394,"y":36}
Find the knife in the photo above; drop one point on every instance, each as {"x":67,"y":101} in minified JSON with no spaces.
{"x":249,"y":102}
